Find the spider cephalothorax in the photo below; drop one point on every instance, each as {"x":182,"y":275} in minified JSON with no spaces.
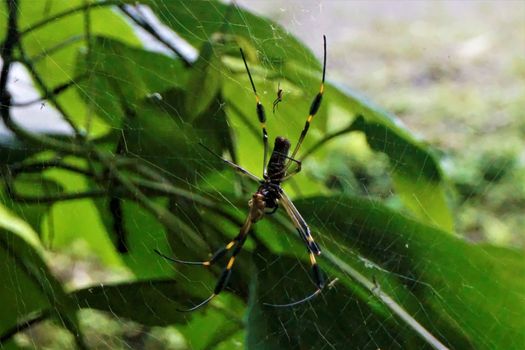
{"x":276,"y":170}
{"x":268,"y":196}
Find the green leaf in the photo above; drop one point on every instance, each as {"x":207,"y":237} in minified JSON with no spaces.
{"x":415,"y":170}
{"x":336,"y":319}
{"x":121,"y":76}
{"x":447,"y":284}
{"x":165,"y":137}
{"x":220,"y":321}
{"x":414,"y":167}
{"x":70,"y":221}
{"x":152,"y":302}
{"x":274,"y":42}
{"x":142,"y":233}
{"x":205,"y":81}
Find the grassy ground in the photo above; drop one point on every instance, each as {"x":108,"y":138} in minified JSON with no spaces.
{"x":454,"y":73}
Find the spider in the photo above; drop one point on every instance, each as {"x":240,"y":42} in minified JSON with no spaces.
{"x":269,"y":196}
{"x":279,"y":97}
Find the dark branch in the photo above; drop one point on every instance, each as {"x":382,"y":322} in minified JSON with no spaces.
{"x":143,"y":23}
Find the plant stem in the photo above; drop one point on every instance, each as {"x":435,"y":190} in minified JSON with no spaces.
{"x":170,"y":221}
{"x":67,"y":13}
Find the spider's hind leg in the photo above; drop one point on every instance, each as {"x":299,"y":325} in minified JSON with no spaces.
{"x":214,"y":258}
{"x":225,"y":275}
{"x":319,"y":282}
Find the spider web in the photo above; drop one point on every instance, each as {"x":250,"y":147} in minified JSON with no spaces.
{"x":368,"y":49}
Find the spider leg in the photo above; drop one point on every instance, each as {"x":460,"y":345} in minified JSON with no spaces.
{"x":236,"y":167}
{"x":279,"y":97}
{"x":275,"y":103}
{"x":237,"y":245}
{"x":300,"y":224}
{"x":295,"y":171}
{"x":313,"y":249}
{"x":214,"y":258}
{"x":226,"y":272}
{"x":319,"y":282}
{"x":316,"y":103}
{"x":260,"y":114}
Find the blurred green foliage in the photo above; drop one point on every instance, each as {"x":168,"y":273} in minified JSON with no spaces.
{"x":82,"y":213}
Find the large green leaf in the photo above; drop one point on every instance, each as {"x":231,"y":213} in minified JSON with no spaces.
{"x":205,"y":81}
{"x":415,"y":169}
{"x":158,"y":302}
{"x":448,"y":285}
{"x":220,"y":321}
{"x":152,"y":302}
{"x":339,"y":319}
{"x":165,"y":137}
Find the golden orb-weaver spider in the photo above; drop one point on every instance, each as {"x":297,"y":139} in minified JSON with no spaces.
{"x":268,"y":196}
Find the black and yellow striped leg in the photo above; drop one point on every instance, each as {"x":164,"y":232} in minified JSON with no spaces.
{"x":214,"y":258}
{"x":236,"y":244}
{"x":319,"y":282}
{"x":300,"y":224}
{"x":225,"y":275}
{"x":312,"y":247}
{"x":314,"y":107}
{"x":261,"y":115}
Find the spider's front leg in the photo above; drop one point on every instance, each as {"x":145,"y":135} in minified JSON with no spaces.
{"x":314,"y":107}
{"x":234,"y":166}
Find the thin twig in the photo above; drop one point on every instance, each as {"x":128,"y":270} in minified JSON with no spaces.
{"x":5,"y":97}
{"x":89,"y":64}
{"x":51,"y":50}
{"x":144,"y":24}
{"x":47,"y":93}
{"x":54,"y":92}
{"x":31,"y":199}
{"x":47,"y":164}
{"x":326,"y":139}
{"x":169,"y":220}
